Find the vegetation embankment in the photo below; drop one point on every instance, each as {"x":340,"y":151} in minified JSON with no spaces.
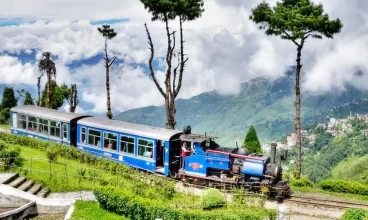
{"x":63,"y":168}
{"x":5,"y":127}
{"x":356,"y":214}
{"x":126,"y":203}
{"x":88,"y":210}
{"x":334,"y":164}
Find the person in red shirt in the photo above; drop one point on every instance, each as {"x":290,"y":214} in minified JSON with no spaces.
{"x":185,"y":151}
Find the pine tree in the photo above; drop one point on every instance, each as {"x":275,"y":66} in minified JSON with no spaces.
{"x":296,"y":21}
{"x":9,"y":101}
{"x":251,"y":141}
{"x":28,"y":99}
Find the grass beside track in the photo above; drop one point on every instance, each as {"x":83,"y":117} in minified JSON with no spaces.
{"x":6,"y":127}
{"x":331,"y":195}
{"x":91,"y":211}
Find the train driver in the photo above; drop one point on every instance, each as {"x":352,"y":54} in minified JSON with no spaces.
{"x":185,"y":151}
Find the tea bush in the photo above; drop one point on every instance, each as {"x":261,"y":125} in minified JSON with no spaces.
{"x":356,"y":214}
{"x":212,"y":198}
{"x":304,"y":182}
{"x":8,"y":154}
{"x":125,"y":202}
{"x":52,"y":154}
{"x":343,"y":186}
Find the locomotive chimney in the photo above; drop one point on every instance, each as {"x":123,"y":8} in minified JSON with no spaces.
{"x":273,"y":153}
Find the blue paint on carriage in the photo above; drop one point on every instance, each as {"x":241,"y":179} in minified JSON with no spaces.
{"x":253,"y":167}
{"x":134,"y":160}
{"x":130,"y":160}
{"x":218,"y":161}
{"x":38,"y":136}
{"x":166,"y":160}
{"x":195,"y":164}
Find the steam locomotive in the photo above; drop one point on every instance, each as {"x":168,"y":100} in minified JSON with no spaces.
{"x":154,"y":149}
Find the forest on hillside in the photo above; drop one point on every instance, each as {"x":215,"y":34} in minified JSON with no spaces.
{"x":340,"y":157}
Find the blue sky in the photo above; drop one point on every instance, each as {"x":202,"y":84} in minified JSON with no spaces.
{"x":224,"y":48}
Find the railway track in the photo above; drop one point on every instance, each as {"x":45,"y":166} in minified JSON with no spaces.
{"x":326,"y":202}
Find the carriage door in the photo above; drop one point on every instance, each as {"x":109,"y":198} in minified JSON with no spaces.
{"x":160,"y":154}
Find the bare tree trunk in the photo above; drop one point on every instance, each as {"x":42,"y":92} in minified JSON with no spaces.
{"x":73,"y":98}
{"x":297,"y":119}
{"x":169,"y":100}
{"x":107,"y":65}
{"x":39,"y":90}
{"x":48,"y":103}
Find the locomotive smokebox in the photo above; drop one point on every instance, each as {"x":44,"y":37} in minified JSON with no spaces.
{"x":273,"y":153}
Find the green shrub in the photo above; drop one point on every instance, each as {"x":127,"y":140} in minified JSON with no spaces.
{"x":212,"y":198}
{"x":343,"y":186}
{"x":125,"y":202}
{"x":304,"y":182}
{"x":356,"y":214}
{"x":52,"y":154}
{"x":8,"y":154}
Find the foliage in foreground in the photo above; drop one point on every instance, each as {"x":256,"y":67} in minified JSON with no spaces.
{"x":353,"y":168}
{"x":88,"y":210}
{"x":7,"y":154}
{"x":303,"y":182}
{"x":126,"y":203}
{"x":343,"y":186}
{"x":213,"y":198}
{"x":100,"y":163}
{"x":356,"y":214}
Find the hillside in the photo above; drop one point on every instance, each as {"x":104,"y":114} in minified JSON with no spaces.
{"x":269,"y":106}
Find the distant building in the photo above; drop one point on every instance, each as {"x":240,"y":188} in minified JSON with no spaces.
{"x":312,"y":138}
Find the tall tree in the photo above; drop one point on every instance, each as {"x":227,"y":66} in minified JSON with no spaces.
{"x":57,"y":94}
{"x":251,"y":141}
{"x":108,"y":33}
{"x":39,"y":89}
{"x":9,"y":101}
{"x":28,"y":99}
{"x":72,"y":97}
{"x":296,"y":21}
{"x":47,"y":65}
{"x":166,"y":10}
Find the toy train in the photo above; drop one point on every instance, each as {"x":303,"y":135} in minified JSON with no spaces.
{"x":153,"y":149}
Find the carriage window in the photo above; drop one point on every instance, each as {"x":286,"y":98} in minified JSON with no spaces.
{"x":145,"y":148}
{"x":127,"y":144}
{"x":110,"y":141}
{"x":22,"y":121}
{"x":94,"y":137}
{"x":43,"y":126}
{"x":32,"y":123}
{"x":83,"y":137}
{"x":65,"y":132}
{"x":55,"y":129}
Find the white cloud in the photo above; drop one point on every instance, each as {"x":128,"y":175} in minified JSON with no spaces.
{"x":12,"y":71}
{"x":225,"y":48}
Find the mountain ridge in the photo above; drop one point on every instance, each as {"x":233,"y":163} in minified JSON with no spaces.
{"x":268,"y":105}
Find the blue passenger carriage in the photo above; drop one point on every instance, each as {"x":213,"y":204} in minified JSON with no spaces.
{"x":45,"y":124}
{"x":136,"y":145}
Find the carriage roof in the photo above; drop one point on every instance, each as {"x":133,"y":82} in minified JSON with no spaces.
{"x":46,"y":113}
{"x":130,"y":128}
